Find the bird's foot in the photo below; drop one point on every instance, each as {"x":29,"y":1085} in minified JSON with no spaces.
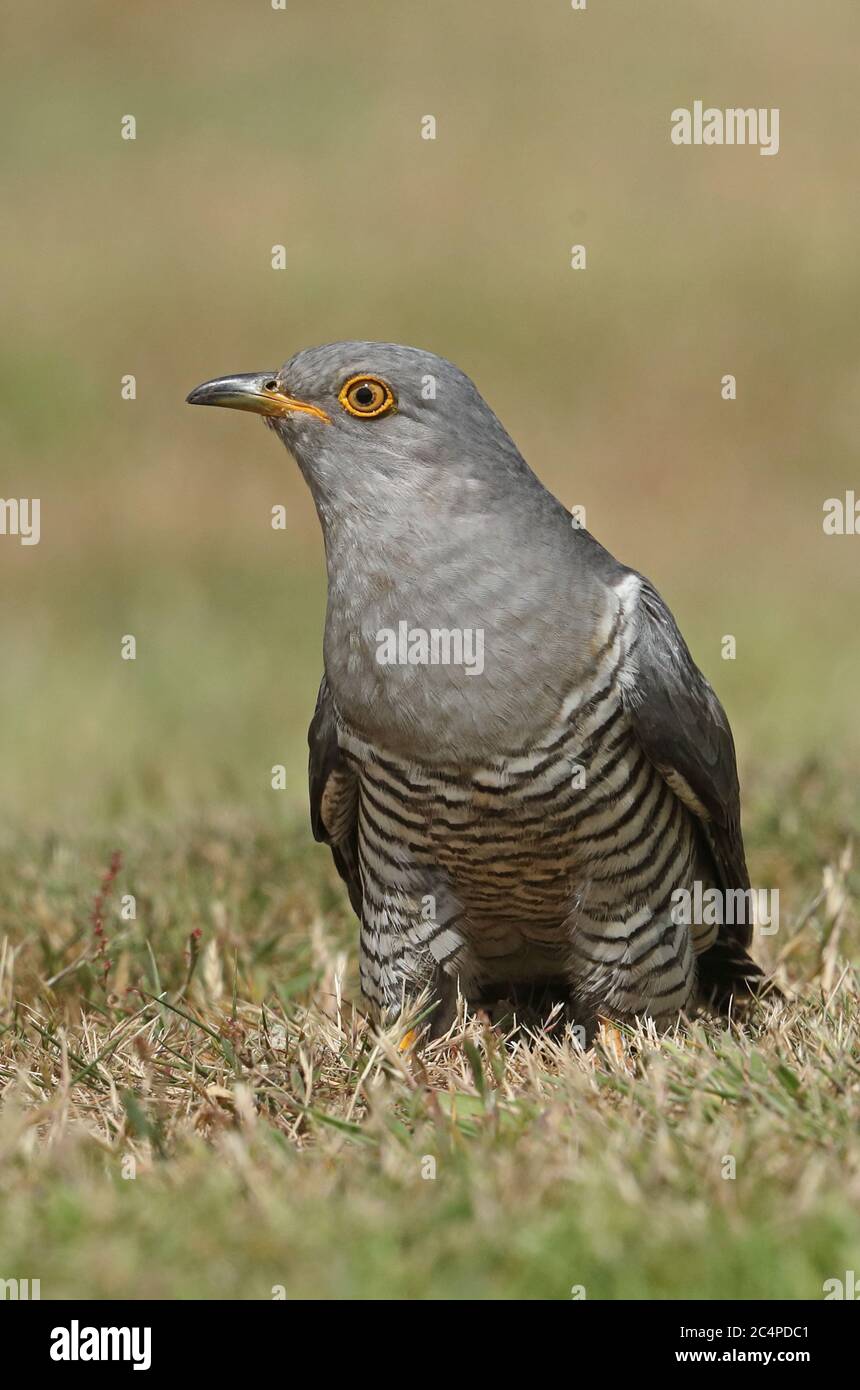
{"x":610,"y":1037}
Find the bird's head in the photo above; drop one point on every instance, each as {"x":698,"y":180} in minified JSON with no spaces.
{"x":359,"y":417}
{"x":428,"y":513}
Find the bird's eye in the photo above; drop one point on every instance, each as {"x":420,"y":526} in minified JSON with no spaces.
{"x":366,"y":396}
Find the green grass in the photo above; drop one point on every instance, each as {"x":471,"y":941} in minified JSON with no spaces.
{"x":276,"y":1141}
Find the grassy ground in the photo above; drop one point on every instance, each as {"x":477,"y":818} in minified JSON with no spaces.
{"x":249,"y":1132}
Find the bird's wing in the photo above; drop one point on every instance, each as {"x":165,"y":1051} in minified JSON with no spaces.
{"x":684,"y":732}
{"x":334,"y":795}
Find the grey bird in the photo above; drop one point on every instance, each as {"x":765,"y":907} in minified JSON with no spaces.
{"x":520,"y":771}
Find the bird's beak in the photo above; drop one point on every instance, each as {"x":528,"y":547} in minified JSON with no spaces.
{"x":257,"y":391}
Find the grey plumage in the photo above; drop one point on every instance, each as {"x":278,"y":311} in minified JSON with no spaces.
{"x":527,"y":822}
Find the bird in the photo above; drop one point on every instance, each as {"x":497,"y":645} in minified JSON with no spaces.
{"x":514,"y":760}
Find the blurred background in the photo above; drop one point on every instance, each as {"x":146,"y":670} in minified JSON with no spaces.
{"x":302,"y":127}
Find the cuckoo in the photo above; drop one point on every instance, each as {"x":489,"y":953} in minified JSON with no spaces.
{"x":517,"y":766}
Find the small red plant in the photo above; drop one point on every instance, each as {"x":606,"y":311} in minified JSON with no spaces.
{"x":97,"y":915}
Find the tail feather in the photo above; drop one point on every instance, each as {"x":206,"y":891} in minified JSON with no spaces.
{"x":729,"y":975}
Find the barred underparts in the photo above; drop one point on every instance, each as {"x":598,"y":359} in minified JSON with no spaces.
{"x":557,"y":862}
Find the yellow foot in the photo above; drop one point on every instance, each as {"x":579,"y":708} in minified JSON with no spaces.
{"x":408,"y":1040}
{"x":611,"y":1038}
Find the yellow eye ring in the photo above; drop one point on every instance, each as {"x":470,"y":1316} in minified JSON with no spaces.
{"x":366,"y":397}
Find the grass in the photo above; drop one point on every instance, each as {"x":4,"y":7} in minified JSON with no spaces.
{"x":194,"y":1108}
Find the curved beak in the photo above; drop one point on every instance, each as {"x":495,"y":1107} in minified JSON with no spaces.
{"x":256,"y":391}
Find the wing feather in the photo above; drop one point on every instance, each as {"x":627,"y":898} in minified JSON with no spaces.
{"x":333,"y":795}
{"x":684,"y":732}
